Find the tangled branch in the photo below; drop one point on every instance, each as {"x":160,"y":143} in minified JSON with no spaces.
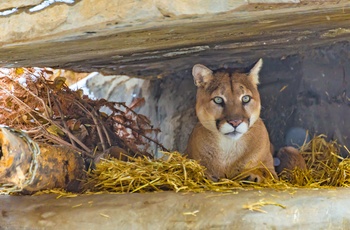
{"x":51,"y":112}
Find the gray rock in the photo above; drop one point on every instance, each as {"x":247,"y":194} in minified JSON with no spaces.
{"x":296,"y":137}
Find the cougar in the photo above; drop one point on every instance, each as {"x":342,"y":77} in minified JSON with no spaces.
{"x":230,"y":137}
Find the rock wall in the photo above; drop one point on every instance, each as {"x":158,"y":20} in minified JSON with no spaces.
{"x":169,"y":102}
{"x":308,"y":91}
{"x":61,"y":17}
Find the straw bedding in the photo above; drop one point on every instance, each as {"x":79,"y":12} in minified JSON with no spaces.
{"x":325,"y":168}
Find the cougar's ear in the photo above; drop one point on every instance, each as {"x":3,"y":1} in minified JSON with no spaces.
{"x":201,"y":75}
{"x":254,"y":72}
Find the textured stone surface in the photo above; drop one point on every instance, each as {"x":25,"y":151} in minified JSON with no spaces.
{"x":96,"y":14}
{"x":4,"y":5}
{"x":50,"y":20}
{"x":183,"y":7}
{"x":137,"y":42}
{"x":273,"y":1}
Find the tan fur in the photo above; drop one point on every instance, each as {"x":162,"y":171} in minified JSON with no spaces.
{"x":226,"y":153}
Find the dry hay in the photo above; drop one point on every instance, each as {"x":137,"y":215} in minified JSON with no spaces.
{"x":176,"y":172}
{"x":325,"y":168}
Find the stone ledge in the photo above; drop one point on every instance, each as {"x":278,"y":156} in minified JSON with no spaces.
{"x":58,"y":18}
{"x":304,"y":209}
{"x":165,"y":45}
{"x":5,"y":5}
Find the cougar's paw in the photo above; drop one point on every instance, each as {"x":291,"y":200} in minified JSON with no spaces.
{"x":260,"y":175}
{"x":255,"y":178}
{"x":212,"y":177}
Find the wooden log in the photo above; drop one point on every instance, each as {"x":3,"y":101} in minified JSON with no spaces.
{"x":288,"y":209}
{"x":27,"y":167}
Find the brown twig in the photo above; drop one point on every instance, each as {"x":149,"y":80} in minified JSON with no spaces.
{"x":48,"y":103}
{"x":96,"y":122}
{"x":36,"y":96}
{"x":145,"y":136}
{"x":71,"y":136}
{"x":60,"y":141}
{"x":25,"y":106}
{"x":59,"y":108}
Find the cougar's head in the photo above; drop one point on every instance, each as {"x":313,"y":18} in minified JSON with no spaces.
{"x":228,"y":100}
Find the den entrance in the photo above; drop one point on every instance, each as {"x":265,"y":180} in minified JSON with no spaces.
{"x":110,"y":106}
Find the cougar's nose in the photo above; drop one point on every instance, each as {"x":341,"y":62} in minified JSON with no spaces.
{"x":235,"y":123}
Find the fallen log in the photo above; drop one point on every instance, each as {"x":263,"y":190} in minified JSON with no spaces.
{"x":28,"y":167}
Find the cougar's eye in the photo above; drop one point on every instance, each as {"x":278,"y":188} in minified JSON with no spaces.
{"x":246,"y":99}
{"x":218,"y":100}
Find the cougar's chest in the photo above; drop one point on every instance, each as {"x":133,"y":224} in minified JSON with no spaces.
{"x":230,"y":150}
